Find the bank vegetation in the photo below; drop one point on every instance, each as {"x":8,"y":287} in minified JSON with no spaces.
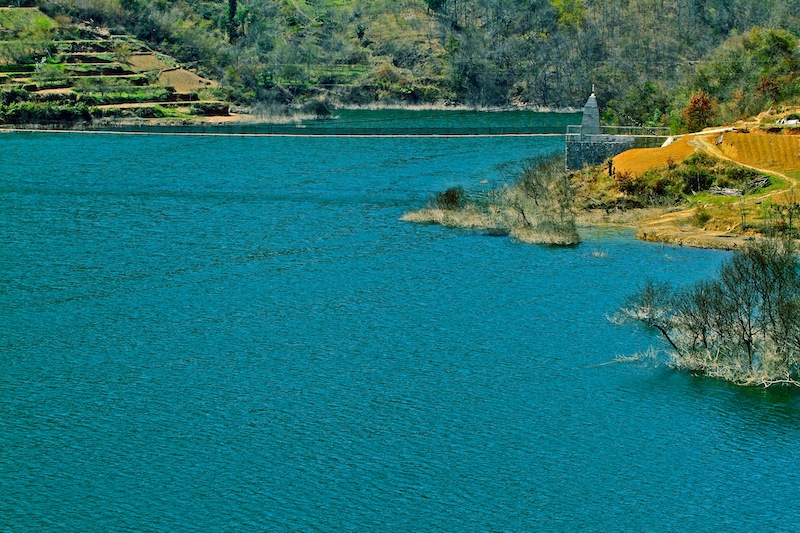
{"x":536,"y":208}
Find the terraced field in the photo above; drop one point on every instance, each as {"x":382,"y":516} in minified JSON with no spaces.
{"x":57,"y":72}
{"x":763,"y":150}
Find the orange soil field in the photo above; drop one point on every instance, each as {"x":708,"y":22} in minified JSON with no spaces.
{"x":640,"y":160}
{"x":763,"y":150}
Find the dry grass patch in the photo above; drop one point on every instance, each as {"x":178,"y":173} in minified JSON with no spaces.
{"x":619,"y":217}
{"x":146,"y":62}
{"x":537,"y":236}
{"x":184,"y":81}
{"x":466,"y":218}
{"x":61,"y":90}
{"x":640,"y":160}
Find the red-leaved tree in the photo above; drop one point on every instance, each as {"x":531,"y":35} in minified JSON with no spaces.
{"x":700,"y":111}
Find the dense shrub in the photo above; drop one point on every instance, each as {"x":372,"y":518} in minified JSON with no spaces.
{"x":736,"y":176}
{"x":358,"y":94}
{"x":657,"y":187}
{"x":319,"y":108}
{"x":210,"y":109}
{"x":34,"y":113}
{"x":453,"y":198}
{"x":696,"y":179}
{"x":14,"y":94}
{"x":135,"y":96}
{"x":698,"y":173}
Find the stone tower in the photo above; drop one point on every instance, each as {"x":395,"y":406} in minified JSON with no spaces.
{"x":591,"y":117}
{"x":590,"y":146}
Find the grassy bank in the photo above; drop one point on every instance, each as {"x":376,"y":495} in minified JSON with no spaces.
{"x":715,"y":189}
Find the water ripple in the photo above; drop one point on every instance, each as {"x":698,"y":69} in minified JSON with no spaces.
{"x":257,"y":343}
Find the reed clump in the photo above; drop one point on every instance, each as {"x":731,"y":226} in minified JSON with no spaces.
{"x":537,"y":208}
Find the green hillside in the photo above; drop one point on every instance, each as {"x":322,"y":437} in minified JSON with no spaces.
{"x":647,"y":58}
{"x":53,"y":71}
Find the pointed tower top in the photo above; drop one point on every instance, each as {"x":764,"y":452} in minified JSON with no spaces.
{"x":591,"y":117}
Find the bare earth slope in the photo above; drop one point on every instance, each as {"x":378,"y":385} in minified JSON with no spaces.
{"x":731,"y":220}
{"x":639,"y":160}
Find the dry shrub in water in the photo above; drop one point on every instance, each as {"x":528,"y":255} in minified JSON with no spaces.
{"x":451,"y":199}
{"x":537,"y":208}
{"x":743,"y":326}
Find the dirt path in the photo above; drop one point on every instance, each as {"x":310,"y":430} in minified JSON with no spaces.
{"x":702,"y":142}
{"x":680,"y":227}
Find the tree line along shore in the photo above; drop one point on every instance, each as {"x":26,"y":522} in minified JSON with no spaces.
{"x":684,"y":65}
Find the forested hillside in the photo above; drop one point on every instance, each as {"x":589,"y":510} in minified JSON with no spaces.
{"x":646,"y":57}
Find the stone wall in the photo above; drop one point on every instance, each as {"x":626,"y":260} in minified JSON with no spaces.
{"x":594,"y":149}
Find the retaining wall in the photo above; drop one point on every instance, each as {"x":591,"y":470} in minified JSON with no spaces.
{"x":587,"y":150}
{"x":594,"y":149}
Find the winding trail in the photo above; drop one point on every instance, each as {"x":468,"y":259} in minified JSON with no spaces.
{"x":679,"y":227}
{"x":702,"y":141}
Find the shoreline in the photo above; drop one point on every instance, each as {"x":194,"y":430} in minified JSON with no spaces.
{"x":243,"y":118}
{"x":676,"y":231}
{"x":643,"y":222}
{"x":638,"y":221}
{"x":145,"y":130}
{"x":377,"y":106}
{"x":657,"y":225}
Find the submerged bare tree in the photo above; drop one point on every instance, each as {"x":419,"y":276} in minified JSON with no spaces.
{"x":743,"y":326}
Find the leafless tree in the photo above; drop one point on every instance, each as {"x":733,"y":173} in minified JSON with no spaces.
{"x":743,"y":326}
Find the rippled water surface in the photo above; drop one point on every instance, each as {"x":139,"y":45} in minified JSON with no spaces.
{"x":210,"y":334}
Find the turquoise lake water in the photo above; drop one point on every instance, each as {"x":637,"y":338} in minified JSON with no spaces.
{"x":238,"y":334}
